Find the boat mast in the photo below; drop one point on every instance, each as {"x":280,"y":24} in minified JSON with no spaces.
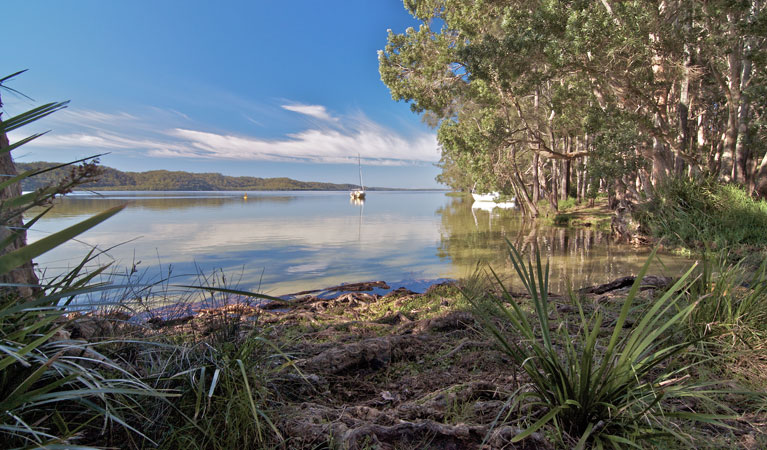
{"x":359,"y":161}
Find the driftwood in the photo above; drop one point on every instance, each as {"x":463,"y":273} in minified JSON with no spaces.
{"x":351,"y":287}
{"x":648,"y":282}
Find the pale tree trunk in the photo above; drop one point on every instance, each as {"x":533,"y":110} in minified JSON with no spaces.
{"x":760,"y":179}
{"x":536,"y":181}
{"x":554,"y":186}
{"x":683,"y":107}
{"x":683,"y":111}
{"x":728,"y":168}
{"x":24,"y":274}
{"x":520,"y":191}
{"x":585,"y":178}
{"x":565,"y":170}
{"x":578,"y":174}
{"x":741,"y":149}
{"x":578,"y":183}
{"x":565,"y":183}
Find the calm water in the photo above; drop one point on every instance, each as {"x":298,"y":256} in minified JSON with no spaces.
{"x":283,"y":242}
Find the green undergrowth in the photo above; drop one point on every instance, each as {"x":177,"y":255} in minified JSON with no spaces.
{"x":635,"y":380}
{"x":700,"y":215}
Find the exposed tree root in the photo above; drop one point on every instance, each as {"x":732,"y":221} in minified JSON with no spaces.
{"x":364,"y":427}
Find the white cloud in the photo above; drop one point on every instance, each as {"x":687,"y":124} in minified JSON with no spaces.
{"x":338,"y":140}
{"x":375,"y":144}
{"x":316,"y":111}
{"x":84,"y":118}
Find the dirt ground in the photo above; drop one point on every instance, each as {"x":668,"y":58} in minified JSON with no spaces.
{"x":403,"y":370}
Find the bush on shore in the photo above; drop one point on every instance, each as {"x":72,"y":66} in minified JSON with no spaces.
{"x":704,"y":215}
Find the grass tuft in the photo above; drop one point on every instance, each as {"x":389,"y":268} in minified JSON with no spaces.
{"x":704,"y":214}
{"x":591,"y":392}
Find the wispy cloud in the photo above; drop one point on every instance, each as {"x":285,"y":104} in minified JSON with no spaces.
{"x":337,"y":140}
{"x":316,"y":111}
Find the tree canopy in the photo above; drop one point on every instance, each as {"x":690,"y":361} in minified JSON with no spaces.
{"x":529,"y":94}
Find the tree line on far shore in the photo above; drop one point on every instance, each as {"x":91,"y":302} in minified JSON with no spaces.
{"x":164,"y":180}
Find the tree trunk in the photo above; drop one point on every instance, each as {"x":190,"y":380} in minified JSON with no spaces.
{"x":683,"y":112}
{"x":729,"y":167}
{"x":661,"y":166}
{"x":25,"y":274}
{"x":536,"y":181}
{"x":553,"y":193}
{"x":760,"y":179}
{"x":741,"y":149}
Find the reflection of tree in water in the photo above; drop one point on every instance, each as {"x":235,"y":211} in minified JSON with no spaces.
{"x":581,"y":255}
{"x":79,"y":206}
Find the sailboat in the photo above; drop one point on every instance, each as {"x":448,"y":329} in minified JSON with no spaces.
{"x":358,"y":194}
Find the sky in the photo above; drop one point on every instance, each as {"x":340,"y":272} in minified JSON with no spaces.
{"x":240,"y":87}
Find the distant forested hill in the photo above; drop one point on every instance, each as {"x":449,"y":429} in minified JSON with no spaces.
{"x":164,"y":180}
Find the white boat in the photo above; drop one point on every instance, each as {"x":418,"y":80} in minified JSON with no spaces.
{"x":489,"y":197}
{"x":358,"y":194}
{"x":484,"y":206}
{"x":489,"y":206}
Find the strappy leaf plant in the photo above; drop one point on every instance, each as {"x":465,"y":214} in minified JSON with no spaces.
{"x":55,"y":392}
{"x":603,"y":385}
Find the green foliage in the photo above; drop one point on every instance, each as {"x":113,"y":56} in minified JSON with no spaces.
{"x":561,"y":220}
{"x":224,"y":398}
{"x":611,"y":395}
{"x":615,"y":150}
{"x":732,"y":301}
{"x":626,"y":84}
{"x":699,"y":214}
{"x":55,"y":391}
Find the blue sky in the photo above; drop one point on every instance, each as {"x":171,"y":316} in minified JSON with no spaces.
{"x":258,"y":88}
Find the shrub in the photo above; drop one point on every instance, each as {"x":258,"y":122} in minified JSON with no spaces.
{"x":694,"y":214}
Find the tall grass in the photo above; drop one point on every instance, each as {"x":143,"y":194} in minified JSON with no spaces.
{"x":591,"y":392}
{"x":695,"y":214}
{"x":226,"y":398}
{"x":731,"y":300}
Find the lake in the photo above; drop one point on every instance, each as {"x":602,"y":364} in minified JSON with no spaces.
{"x":284,"y":242}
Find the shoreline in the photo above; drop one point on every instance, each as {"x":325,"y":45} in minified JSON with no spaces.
{"x":392,"y":369}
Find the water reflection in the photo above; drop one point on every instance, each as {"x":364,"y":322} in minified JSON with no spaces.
{"x":80,"y":205}
{"x":290,"y":241}
{"x":581,"y":256}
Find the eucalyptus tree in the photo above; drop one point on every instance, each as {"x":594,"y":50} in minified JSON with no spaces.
{"x":546,"y":80}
